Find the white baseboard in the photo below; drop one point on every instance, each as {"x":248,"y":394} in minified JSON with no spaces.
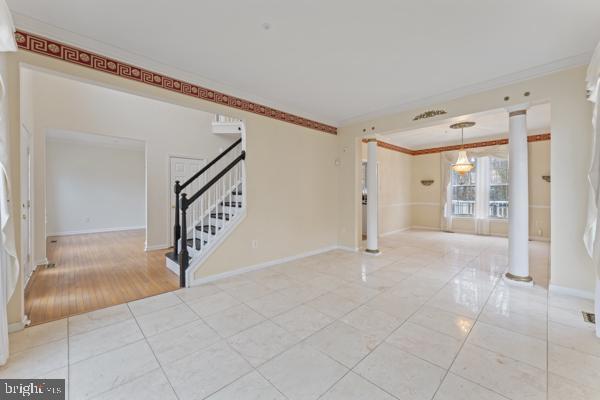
{"x":99,"y":230}
{"x":348,"y":248}
{"x":263,"y":265}
{"x":43,"y":261}
{"x":425,"y":228}
{"x":19,"y":326}
{"x":539,"y":238}
{"x":394,"y":231}
{"x":584,"y":294}
{"x":157,"y":247}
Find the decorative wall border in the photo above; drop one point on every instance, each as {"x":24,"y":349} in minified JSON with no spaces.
{"x":497,"y":142}
{"x":74,"y":55}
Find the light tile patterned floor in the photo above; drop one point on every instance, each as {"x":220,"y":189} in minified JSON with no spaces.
{"x":430,"y":318}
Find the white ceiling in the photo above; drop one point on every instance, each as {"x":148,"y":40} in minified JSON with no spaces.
{"x":488,"y":125}
{"x":93,"y":139}
{"x":337,"y":60}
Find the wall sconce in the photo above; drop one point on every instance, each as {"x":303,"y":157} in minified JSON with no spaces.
{"x":426,"y":182}
{"x":546,"y":178}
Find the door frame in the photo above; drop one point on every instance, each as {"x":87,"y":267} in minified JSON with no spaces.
{"x":170,"y":156}
{"x":26,"y":210}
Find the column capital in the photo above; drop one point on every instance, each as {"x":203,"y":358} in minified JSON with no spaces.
{"x":517,"y":109}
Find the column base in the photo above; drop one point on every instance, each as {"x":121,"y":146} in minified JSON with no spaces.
{"x":516,"y":280}
{"x":373,"y":252}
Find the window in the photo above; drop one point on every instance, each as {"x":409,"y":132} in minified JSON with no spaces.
{"x":464,"y":189}
{"x":498,"y":203}
{"x":483,"y":192}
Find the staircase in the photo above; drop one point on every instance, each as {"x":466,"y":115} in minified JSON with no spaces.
{"x":204,"y":218}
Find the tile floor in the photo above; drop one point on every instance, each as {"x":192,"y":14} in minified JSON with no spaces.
{"x":430,"y":318}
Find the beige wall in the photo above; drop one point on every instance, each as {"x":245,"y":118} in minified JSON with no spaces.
{"x":292,"y":187}
{"x":394,"y":171}
{"x":426,"y":202}
{"x":571,"y":138}
{"x":426,"y":199}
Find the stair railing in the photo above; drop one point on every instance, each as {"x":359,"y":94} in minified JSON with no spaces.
{"x":207,"y":172}
{"x":224,"y":185}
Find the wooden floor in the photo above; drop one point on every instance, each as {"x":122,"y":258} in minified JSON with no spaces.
{"x":95,"y":271}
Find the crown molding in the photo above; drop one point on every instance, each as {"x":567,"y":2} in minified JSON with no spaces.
{"x":432,"y":150}
{"x":114,"y":66}
{"x":501,"y":81}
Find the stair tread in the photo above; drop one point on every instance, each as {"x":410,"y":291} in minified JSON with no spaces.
{"x":221,"y":215}
{"x":199,"y":243}
{"x":207,"y":227}
{"x":171,"y":256}
{"x":231,"y":203}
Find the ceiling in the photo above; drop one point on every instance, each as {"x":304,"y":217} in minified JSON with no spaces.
{"x":336,"y":61}
{"x":93,"y":139}
{"x":488,"y":125}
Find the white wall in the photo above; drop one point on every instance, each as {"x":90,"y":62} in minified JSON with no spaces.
{"x":93,"y":188}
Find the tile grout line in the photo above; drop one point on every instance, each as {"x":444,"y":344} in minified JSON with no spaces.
{"x":160,"y":366}
{"x":391,"y":333}
{"x":467,"y":336}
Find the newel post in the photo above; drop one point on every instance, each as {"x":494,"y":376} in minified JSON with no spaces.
{"x":183,"y":254}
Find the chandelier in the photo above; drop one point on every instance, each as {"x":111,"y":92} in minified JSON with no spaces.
{"x":462,"y":164}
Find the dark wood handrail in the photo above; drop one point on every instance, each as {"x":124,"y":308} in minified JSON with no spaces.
{"x":207,"y":166}
{"x":185,"y":202}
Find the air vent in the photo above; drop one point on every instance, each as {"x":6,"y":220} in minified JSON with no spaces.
{"x":589,"y":317}
{"x":429,"y":114}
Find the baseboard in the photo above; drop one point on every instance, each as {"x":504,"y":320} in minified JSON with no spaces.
{"x":19,"y":326}
{"x":539,"y":238}
{"x":157,"y":247}
{"x":100,"y":230}
{"x":348,"y":248}
{"x":262,"y":265}
{"x":583,"y":294}
{"x":394,"y":231}
{"x":425,"y":228}
{"x":43,"y":261}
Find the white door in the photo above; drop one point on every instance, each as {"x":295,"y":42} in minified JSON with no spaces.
{"x":181,"y":170}
{"x":26,"y":220}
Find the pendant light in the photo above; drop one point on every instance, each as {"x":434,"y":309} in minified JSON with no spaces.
{"x":462,"y":164}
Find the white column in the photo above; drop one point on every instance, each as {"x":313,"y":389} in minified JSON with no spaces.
{"x":518,"y":191}
{"x":372,"y":198}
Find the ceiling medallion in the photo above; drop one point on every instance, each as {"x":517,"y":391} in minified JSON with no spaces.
{"x":462,"y":164}
{"x":429,"y":114}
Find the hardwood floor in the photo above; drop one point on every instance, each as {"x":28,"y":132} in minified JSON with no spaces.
{"x":95,"y":271}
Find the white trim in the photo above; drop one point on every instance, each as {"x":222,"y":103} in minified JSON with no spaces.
{"x":583,"y":294}
{"x":265,"y":264}
{"x":19,"y":326}
{"x":394,"y":231}
{"x":348,"y":248}
{"x":425,"y":228}
{"x":539,"y":238}
{"x":157,"y":247}
{"x":43,"y":261}
{"x":100,"y":230}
